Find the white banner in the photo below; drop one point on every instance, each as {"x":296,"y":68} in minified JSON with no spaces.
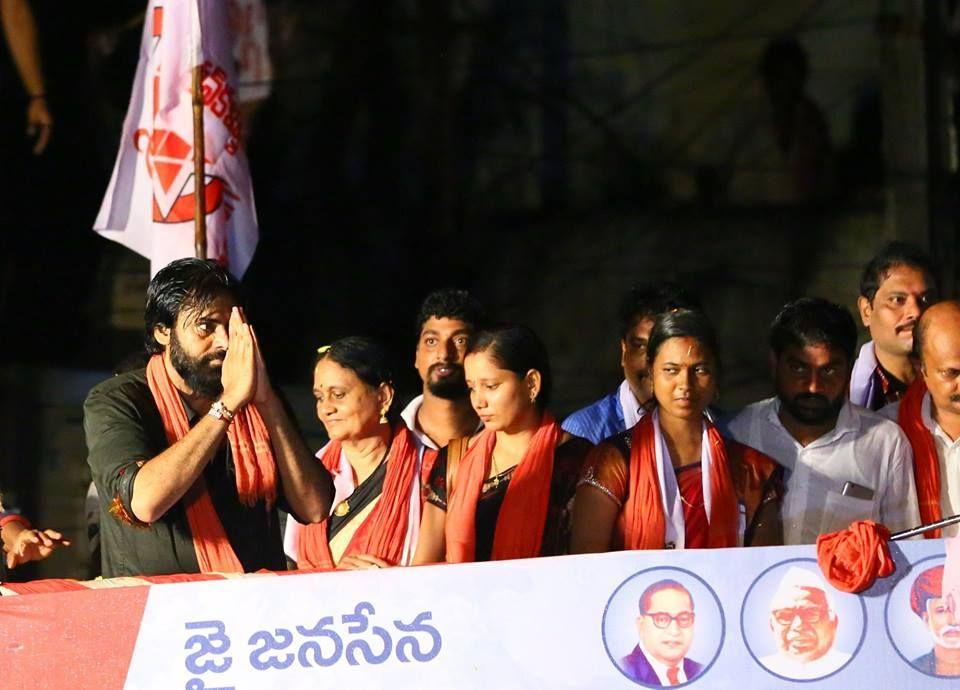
{"x":731,"y":619}
{"x":542,"y":623}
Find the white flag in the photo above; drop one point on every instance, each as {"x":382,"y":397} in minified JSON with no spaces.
{"x":149,"y":204}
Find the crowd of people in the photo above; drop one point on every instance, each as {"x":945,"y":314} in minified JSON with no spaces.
{"x":193,"y":454}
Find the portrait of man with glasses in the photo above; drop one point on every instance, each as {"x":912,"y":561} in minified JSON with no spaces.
{"x":803,"y":622}
{"x":665,"y":628}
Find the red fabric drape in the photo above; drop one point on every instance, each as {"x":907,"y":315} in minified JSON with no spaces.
{"x":252,"y":456}
{"x":523,"y":515}
{"x":926,"y":465}
{"x":852,"y":559}
{"x":383,"y":533}
{"x":645,"y":523}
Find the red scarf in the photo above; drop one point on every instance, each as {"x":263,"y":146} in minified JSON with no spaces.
{"x":523,"y":515}
{"x":926,"y":464}
{"x":252,"y":457}
{"x":384,"y":531}
{"x":645,"y":523}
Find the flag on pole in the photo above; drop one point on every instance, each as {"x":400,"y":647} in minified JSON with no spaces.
{"x":149,"y":204}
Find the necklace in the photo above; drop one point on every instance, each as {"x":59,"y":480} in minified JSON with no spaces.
{"x":343,"y":507}
{"x":495,"y":479}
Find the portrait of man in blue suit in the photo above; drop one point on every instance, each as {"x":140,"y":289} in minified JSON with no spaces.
{"x":665,"y":628}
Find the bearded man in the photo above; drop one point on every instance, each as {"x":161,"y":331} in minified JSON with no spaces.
{"x":442,"y":412}
{"x":192,"y":454}
{"x":844,"y":463}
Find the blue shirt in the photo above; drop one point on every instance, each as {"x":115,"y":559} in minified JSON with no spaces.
{"x":597,"y":421}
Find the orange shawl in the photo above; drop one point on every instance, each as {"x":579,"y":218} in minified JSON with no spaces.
{"x":926,"y":464}
{"x":523,"y":515}
{"x":252,"y":457}
{"x":645,"y":523}
{"x":384,"y":531}
{"x":852,"y":559}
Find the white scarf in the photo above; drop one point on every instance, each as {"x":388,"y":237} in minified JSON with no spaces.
{"x":670,"y":491}
{"x":862,"y":382}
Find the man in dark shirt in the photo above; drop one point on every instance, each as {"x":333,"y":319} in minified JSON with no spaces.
{"x":896,"y":286}
{"x":151,"y":480}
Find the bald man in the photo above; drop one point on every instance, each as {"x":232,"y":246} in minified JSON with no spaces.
{"x":929,"y":414}
{"x":803,"y":622}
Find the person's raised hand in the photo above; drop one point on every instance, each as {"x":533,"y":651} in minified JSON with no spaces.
{"x":239,"y":373}
{"x":264,"y":389}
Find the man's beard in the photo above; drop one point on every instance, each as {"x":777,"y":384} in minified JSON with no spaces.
{"x":201,"y":378}
{"x":812,"y":408}
{"x":453,"y":386}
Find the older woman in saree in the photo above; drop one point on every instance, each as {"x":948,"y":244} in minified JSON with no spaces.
{"x":375,"y":516}
{"x":672,"y":481}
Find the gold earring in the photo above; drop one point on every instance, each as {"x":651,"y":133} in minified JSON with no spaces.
{"x":383,"y":416}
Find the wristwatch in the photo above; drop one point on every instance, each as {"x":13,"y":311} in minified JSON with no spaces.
{"x":220,"y":411}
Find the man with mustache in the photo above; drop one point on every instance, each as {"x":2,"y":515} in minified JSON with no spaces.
{"x":844,"y":463}
{"x":622,"y":409}
{"x":942,"y":621}
{"x":896,"y":286}
{"x":445,"y":322}
{"x":192,"y":454}
{"x":929,"y":414}
{"x":804,"y":627}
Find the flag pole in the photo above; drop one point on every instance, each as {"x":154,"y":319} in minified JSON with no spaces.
{"x":199,"y":174}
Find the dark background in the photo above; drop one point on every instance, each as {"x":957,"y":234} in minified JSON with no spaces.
{"x":545,"y":154}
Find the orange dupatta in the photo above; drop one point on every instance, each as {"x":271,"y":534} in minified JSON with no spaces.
{"x":253,"y":459}
{"x":926,"y":464}
{"x":523,"y":515}
{"x":384,"y":531}
{"x":645,"y":523}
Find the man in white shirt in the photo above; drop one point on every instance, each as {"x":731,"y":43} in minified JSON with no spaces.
{"x":844,"y":463}
{"x":929,"y":414}
{"x":804,"y":627}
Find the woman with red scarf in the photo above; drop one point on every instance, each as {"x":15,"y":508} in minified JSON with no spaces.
{"x":671,"y":481}
{"x":505,"y":492}
{"x":376,"y":508}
